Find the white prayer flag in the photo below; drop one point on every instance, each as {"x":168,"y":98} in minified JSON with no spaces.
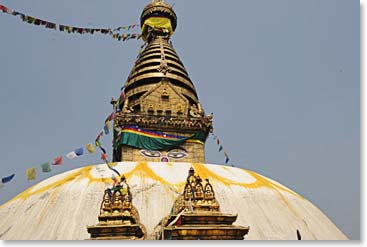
{"x":71,"y":155}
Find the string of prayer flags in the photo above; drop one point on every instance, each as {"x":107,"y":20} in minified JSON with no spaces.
{"x":7,"y":179}
{"x":114,"y":32}
{"x":77,"y":152}
{"x":31,"y":174}
{"x":221,"y":148}
{"x":46,"y":167}
{"x":90,"y":148}
{"x":57,"y":161}
{"x":109,"y":165}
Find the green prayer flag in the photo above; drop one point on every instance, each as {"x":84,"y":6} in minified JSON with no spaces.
{"x":46,"y":167}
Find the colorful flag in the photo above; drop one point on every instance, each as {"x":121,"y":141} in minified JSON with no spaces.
{"x":218,"y":142}
{"x":107,"y":127}
{"x":90,"y":148}
{"x":57,"y":161}
{"x":72,"y":155}
{"x":227,"y":159}
{"x":7,"y":179}
{"x":99,"y":136}
{"x":104,"y":156}
{"x":220,"y":148}
{"x":98,"y":144}
{"x":31,"y":174}
{"x":46,"y":167}
{"x":79,"y":151}
{"x":122,"y":94}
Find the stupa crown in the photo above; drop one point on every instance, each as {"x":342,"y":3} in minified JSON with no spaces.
{"x":159,"y":9}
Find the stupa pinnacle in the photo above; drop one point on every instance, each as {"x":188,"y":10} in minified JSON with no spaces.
{"x":161,"y":118}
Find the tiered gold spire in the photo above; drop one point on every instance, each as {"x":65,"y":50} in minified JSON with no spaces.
{"x":160,"y":95}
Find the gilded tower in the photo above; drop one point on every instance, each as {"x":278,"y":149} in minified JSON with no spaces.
{"x":161,"y":118}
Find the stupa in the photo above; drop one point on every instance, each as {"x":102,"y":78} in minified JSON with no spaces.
{"x":160,"y":131}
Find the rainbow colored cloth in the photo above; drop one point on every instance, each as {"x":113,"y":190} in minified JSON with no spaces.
{"x":155,"y":141}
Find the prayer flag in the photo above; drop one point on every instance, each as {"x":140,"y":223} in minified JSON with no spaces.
{"x":72,"y":155}
{"x":31,"y":174}
{"x":3,"y":8}
{"x":57,"y":161}
{"x":79,"y":151}
{"x":227,"y":159}
{"x":122,"y":94}
{"x":90,"y":148}
{"x":220,"y":148}
{"x":98,"y":144}
{"x":7,"y":179}
{"x":111,"y":116}
{"x":46,"y":167}
{"x":107,"y":128}
{"x":218,"y":142}
{"x":104,"y":156}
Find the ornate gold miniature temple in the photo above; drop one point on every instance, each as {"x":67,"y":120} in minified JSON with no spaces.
{"x":196,"y":215}
{"x":118,"y":219}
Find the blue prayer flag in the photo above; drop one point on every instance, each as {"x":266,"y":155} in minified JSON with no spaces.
{"x":227,"y":159}
{"x":79,"y":151}
{"x":7,"y":179}
{"x":106,"y":131}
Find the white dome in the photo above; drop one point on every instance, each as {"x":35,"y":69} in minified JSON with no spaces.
{"x":62,"y":206}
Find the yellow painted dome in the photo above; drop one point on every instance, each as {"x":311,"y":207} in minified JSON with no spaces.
{"x":62,"y":206}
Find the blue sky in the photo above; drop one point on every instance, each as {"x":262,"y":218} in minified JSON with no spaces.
{"x":281,"y":77}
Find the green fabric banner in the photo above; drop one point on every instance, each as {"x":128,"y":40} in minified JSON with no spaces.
{"x":141,"y":141}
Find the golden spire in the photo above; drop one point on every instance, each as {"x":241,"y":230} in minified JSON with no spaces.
{"x":160,"y":96}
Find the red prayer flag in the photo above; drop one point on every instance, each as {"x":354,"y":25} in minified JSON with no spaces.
{"x":104,"y":156}
{"x":4,"y":9}
{"x":57,"y":161}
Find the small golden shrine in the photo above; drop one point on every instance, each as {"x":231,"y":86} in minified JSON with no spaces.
{"x":118,"y":218}
{"x":196,"y":215}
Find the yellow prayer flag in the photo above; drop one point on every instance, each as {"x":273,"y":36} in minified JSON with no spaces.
{"x":90,"y":148}
{"x":31,"y":173}
{"x":112,"y":164}
{"x":157,"y":22}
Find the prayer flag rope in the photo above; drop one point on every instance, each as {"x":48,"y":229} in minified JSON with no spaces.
{"x":31,"y":173}
{"x":114,"y":32}
{"x":221,"y":148}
